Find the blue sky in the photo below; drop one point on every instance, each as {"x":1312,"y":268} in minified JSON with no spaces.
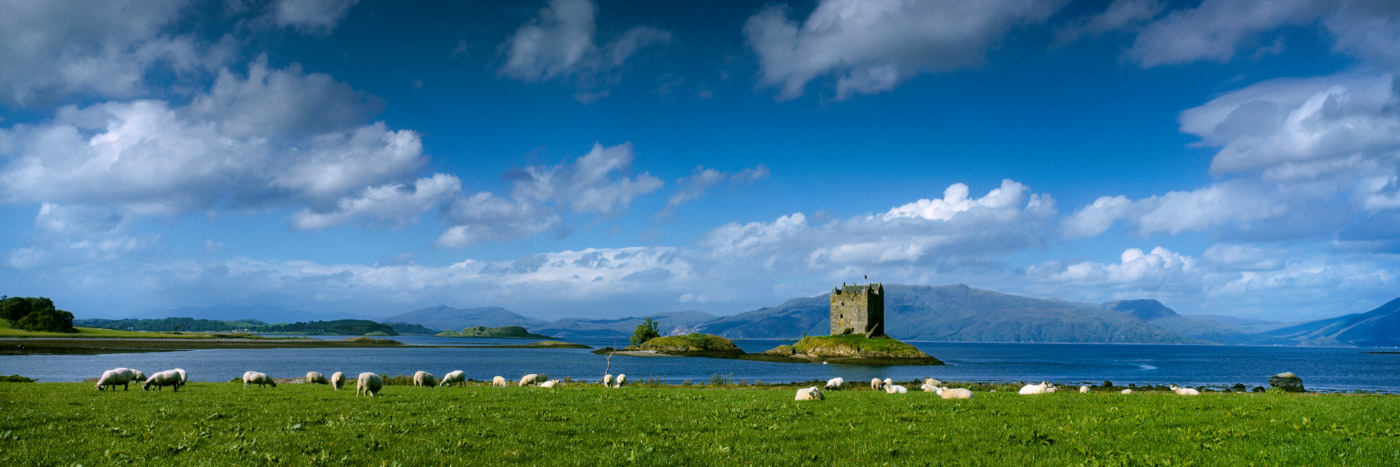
{"x":613,"y":158}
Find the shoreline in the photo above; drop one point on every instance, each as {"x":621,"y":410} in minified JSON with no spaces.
{"x":116,"y":345}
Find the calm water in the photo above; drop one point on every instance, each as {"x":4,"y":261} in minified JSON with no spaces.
{"x":1322,"y":369}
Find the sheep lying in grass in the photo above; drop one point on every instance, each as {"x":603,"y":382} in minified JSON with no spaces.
{"x":1052,"y":389}
{"x":459,"y":377}
{"x":1185,"y":391}
{"x":259,"y":378}
{"x":369,"y":383}
{"x":313,"y":377}
{"x":929,"y":385}
{"x":607,"y":380}
{"x":1041,"y":388}
{"x":1126,"y":391}
{"x":876,"y":384}
{"x":621,"y":378}
{"x":161,"y":380}
{"x":498,"y":382}
{"x":896,"y":389}
{"x":1083,"y":389}
{"x":337,"y":380}
{"x":835,"y":383}
{"x":954,"y":393}
{"x":549,"y":384}
{"x":111,"y":378}
{"x":529,"y":379}
{"x":810,"y":394}
{"x":424,"y":379}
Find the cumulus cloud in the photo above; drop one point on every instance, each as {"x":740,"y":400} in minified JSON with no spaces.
{"x":285,"y":102}
{"x":487,"y":217}
{"x":702,"y":179}
{"x":317,"y":16}
{"x":559,"y":43}
{"x":872,"y":46}
{"x":592,"y":183}
{"x":393,"y":205}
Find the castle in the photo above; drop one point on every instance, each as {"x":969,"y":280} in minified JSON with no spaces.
{"x":858,"y":309}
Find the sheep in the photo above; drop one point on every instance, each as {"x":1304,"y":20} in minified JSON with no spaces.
{"x":896,"y":389}
{"x":1041,"y":388}
{"x":621,"y":378}
{"x":498,"y":382}
{"x":162,"y":379}
{"x":932,"y":382}
{"x":549,"y":384}
{"x":184,"y":378}
{"x":607,"y":380}
{"x":258,"y":378}
{"x":887,"y":382}
{"x":424,"y":379}
{"x":136,"y":375}
{"x":111,"y":378}
{"x":810,"y":394}
{"x":529,"y":379}
{"x":1083,"y":389}
{"x":954,"y":393}
{"x":1126,"y":391}
{"x":1052,"y":390}
{"x":835,"y":383}
{"x":930,"y":385}
{"x":1185,"y":391}
{"x":876,"y":384}
{"x":313,"y":377}
{"x":369,"y":383}
{"x":337,"y":380}
{"x":459,"y":377}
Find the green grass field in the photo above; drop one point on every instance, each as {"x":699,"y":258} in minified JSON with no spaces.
{"x":7,"y":331}
{"x":224,"y":424}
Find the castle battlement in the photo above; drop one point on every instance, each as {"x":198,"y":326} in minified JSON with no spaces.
{"x":858,"y":309}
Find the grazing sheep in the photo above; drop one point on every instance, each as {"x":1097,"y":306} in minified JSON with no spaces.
{"x":810,"y":394}
{"x":1083,"y":389}
{"x":161,"y":380}
{"x":313,"y":377}
{"x":424,"y":379}
{"x":876,"y":384}
{"x":1185,"y":391}
{"x":137,"y":375}
{"x":529,"y":379}
{"x":111,"y":378}
{"x":835,"y":383}
{"x":1041,"y":388}
{"x":258,"y":378}
{"x":549,"y":384}
{"x":896,"y":389}
{"x":459,"y":377}
{"x":184,"y":378}
{"x":337,"y":380}
{"x":621,"y":378}
{"x":369,"y":383}
{"x":954,"y":393}
{"x":498,"y":382}
{"x":607,"y":380}
{"x":1126,"y":391}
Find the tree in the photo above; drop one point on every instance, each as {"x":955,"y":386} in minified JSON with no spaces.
{"x":646,"y":331}
{"x":35,"y":314}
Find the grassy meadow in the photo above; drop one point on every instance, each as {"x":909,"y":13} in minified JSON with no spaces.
{"x":297,"y":424}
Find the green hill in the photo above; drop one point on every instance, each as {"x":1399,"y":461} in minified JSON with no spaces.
{"x":503,"y":332}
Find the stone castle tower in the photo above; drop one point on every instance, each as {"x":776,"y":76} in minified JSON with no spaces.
{"x":858,"y":309}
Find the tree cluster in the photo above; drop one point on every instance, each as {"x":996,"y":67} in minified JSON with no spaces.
{"x":35,"y":314}
{"x":646,"y":331}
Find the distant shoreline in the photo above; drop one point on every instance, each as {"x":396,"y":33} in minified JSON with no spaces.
{"x":106,"y":345}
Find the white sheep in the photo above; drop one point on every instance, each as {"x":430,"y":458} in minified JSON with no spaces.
{"x":111,"y":378}
{"x":954,"y":393}
{"x":607,"y":380}
{"x":1126,"y":391}
{"x":932,"y":382}
{"x":313,"y":377}
{"x":930,"y":385}
{"x":1052,"y":389}
{"x":161,"y":380}
{"x":887,"y":382}
{"x":835,"y":383}
{"x":369,"y":383}
{"x":810,"y":394}
{"x":1041,"y":388}
{"x":529,"y":379}
{"x":549,"y":384}
{"x":459,"y":377}
{"x":498,"y":382}
{"x":1185,"y":391}
{"x":1083,"y":389}
{"x":876,"y":384}
{"x":137,"y":375}
{"x":184,"y":378}
{"x":424,"y":379}
{"x":621,"y":378}
{"x":896,"y":389}
{"x":258,"y":378}
{"x":337,"y":380}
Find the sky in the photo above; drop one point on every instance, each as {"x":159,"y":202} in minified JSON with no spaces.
{"x":600,"y":158}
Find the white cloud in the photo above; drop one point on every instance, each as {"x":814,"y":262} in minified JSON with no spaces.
{"x":590,"y":183}
{"x":1367,"y":29}
{"x":393,"y":205}
{"x":1245,"y":257}
{"x":560,"y":43}
{"x":1215,"y":29}
{"x":1135,"y":269}
{"x":702,"y":179}
{"x":1120,"y":15}
{"x":736,"y":239}
{"x":76,"y":219}
{"x":1097,"y":217}
{"x":317,"y":16}
{"x":955,"y":201}
{"x":279,"y":103}
{"x":486,"y":217}
{"x":872,"y":46}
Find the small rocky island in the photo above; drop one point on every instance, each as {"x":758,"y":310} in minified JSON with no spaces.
{"x":503,"y":332}
{"x":850,"y":349}
{"x":691,"y":345}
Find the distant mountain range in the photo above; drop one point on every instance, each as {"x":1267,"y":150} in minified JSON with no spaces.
{"x":264,"y":313}
{"x":955,"y":313}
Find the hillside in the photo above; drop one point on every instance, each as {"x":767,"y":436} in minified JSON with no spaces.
{"x":1155,"y":313}
{"x":954,"y":313}
{"x":446,"y":318}
{"x":340,"y":327}
{"x":1376,"y":328}
{"x":672,"y":323}
{"x":264,"y":313}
